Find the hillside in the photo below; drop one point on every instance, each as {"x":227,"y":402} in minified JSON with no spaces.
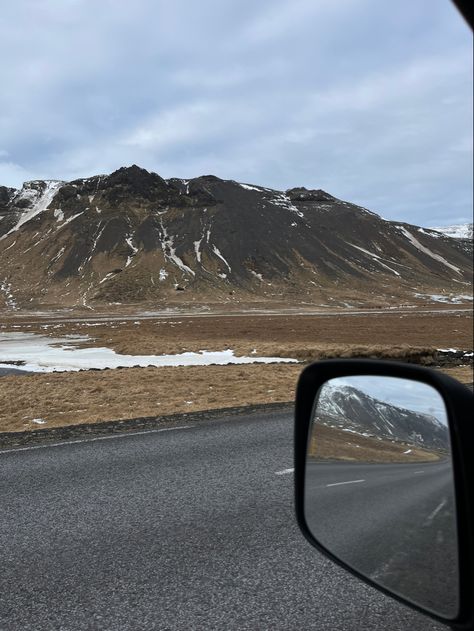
{"x":133,"y":237}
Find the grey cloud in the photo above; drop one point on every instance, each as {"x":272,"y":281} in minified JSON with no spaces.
{"x":374,"y":106}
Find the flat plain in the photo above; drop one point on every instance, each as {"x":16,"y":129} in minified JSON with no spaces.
{"x":68,"y":398}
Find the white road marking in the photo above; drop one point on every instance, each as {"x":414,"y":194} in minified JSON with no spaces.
{"x":348,"y":482}
{"x":284,"y":472}
{"x":436,"y":510}
{"x":417,"y":472}
{"x":92,"y":440}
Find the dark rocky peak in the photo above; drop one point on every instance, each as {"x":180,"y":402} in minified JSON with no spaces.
{"x":6,"y":195}
{"x":302,"y":194}
{"x":209,"y":178}
{"x":135,"y":176}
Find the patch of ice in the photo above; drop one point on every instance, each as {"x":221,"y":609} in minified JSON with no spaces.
{"x":422,"y":248}
{"x":46,"y":354}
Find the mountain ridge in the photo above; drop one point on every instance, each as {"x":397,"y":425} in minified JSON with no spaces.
{"x":133,"y":237}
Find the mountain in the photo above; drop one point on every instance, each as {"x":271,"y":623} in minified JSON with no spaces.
{"x":134,"y":237}
{"x":355,"y":411}
{"x":459,"y":231}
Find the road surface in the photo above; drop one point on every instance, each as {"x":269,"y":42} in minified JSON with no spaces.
{"x":188,"y":528}
{"x":395,"y":523}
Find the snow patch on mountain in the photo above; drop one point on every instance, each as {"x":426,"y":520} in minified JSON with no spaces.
{"x":427,"y":251}
{"x":39,"y":200}
{"x":459,"y":231}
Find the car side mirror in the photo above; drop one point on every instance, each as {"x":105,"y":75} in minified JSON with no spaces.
{"x":383,"y":479}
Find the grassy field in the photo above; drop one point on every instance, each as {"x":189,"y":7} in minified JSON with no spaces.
{"x":94,"y":396}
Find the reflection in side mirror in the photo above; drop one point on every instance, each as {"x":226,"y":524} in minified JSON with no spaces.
{"x":379,"y":486}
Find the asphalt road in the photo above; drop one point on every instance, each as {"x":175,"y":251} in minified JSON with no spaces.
{"x":189,"y":528}
{"x":395,"y":523}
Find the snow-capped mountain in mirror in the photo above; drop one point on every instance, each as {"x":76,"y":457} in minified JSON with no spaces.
{"x":352,"y":410}
{"x":459,"y":231}
{"x":134,"y":237}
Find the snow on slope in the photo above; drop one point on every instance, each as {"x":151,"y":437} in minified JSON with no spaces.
{"x":460,"y":231}
{"x":40,"y":200}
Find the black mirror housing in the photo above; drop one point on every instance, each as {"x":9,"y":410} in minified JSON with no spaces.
{"x":458,"y":400}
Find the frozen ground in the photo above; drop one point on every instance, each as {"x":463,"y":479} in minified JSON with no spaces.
{"x":39,"y":353}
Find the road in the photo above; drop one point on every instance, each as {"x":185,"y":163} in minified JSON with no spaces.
{"x":189,"y":528}
{"x":393,"y":522}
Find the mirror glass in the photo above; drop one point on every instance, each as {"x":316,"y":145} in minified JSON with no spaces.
{"x":379,"y":486}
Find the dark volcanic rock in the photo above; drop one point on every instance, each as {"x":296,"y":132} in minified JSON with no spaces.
{"x":217,"y":239}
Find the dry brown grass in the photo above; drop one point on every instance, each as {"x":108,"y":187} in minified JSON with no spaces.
{"x":300,"y":334}
{"x":71,"y":398}
{"x":328,"y":443}
{"x":95,"y":396}
{"x":89,"y":397}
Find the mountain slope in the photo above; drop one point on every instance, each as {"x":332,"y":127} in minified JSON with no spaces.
{"x":132,"y":236}
{"x":353,"y":410}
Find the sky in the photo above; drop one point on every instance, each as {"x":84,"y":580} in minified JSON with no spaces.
{"x":405,"y":393}
{"x":368,"y":100}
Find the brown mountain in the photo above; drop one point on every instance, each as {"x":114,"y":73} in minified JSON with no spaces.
{"x":133,"y":237}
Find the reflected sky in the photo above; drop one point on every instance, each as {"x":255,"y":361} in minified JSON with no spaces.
{"x":412,"y":395}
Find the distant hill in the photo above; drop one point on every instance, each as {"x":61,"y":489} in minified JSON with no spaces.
{"x":134,"y":237}
{"x":352,"y":410}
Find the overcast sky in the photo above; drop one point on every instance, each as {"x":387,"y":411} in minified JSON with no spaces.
{"x":367,"y":99}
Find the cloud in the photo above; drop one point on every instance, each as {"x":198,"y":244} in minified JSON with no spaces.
{"x":375,"y":107}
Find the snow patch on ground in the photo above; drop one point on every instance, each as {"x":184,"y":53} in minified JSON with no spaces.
{"x":250,"y":188}
{"x":451,"y":299}
{"x":6,"y":289}
{"x":46,"y":354}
